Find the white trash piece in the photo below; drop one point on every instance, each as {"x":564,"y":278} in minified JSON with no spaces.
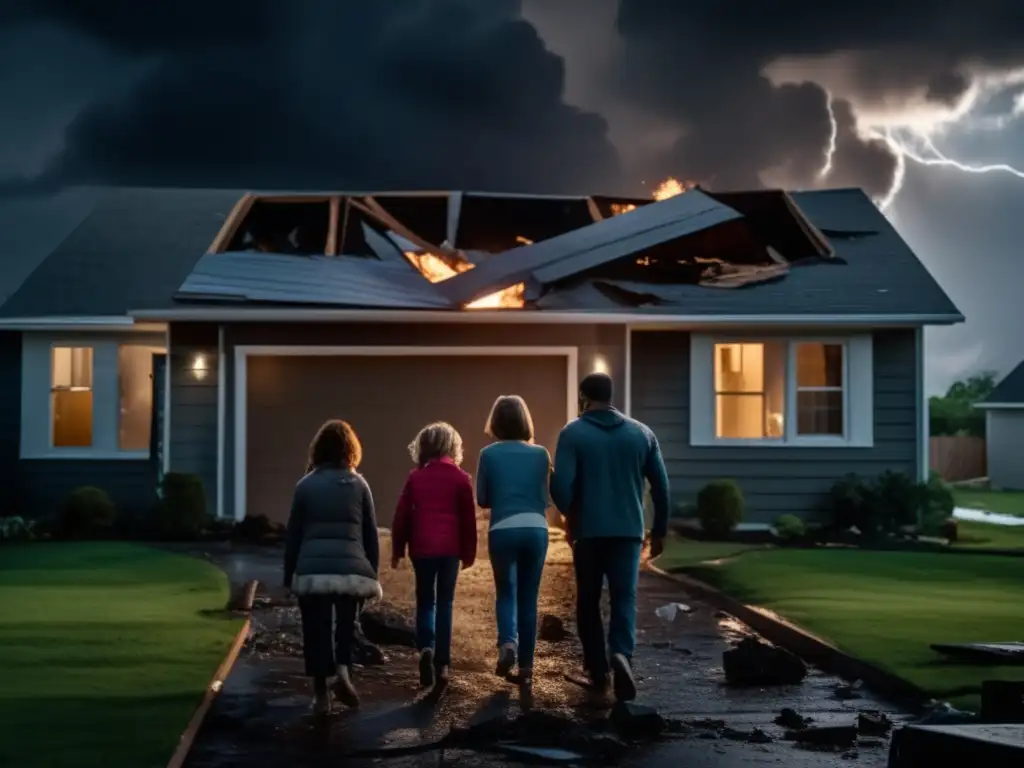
{"x":671,"y":610}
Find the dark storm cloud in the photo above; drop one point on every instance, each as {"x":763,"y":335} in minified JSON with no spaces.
{"x":405,"y":93}
{"x":704,"y":65}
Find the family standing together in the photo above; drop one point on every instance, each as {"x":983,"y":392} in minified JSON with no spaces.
{"x":602,"y":462}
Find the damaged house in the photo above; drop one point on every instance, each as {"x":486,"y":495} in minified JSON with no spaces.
{"x":768,"y":337}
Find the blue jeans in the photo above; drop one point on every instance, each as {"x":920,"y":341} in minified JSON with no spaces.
{"x":618,"y":560}
{"x":517,"y":558}
{"x":435,"y":597}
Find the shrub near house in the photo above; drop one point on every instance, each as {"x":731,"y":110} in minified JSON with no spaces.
{"x":888,"y":505}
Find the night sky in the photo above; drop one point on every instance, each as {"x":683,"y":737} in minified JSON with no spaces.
{"x":579,"y":96}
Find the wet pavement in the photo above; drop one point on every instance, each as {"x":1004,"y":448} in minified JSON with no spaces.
{"x":263,"y":718}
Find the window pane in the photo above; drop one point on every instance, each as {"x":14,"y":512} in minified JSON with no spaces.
{"x":750,"y":381}
{"x":71,"y":396}
{"x":819,"y":413}
{"x":135,"y":396}
{"x":819,"y":365}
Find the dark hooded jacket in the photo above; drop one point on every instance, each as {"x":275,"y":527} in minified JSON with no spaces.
{"x":332,"y":545}
{"x":601,"y":462}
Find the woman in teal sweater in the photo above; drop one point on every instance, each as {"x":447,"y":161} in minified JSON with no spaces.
{"x":512,"y":482}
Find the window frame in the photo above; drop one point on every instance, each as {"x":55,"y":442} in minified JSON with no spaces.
{"x":857,"y":388}
{"x":51,"y":425}
{"x":37,"y":382}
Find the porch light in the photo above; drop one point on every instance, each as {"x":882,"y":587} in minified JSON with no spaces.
{"x":199,"y":367}
{"x":600,"y":364}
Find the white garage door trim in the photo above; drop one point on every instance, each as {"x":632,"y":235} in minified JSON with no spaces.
{"x":242,"y":354}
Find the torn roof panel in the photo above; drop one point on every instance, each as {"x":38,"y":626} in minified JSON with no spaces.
{"x":591,"y":245}
{"x":340,"y":281}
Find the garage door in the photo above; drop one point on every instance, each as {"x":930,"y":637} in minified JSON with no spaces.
{"x":387,"y":400}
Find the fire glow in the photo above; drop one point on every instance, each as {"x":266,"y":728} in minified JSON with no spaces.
{"x":437,"y":270}
{"x":670,"y":187}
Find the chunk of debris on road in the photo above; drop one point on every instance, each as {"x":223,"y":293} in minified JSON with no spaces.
{"x":871,"y":743}
{"x":944,"y":713}
{"x":792,"y":720}
{"x":707,"y":724}
{"x":671,"y":610}
{"x":847,"y":691}
{"x":756,"y":736}
{"x":552,"y":629}
{"x":552,"y":755}
{"x":384,"y":624}
{"x":636,"y":721}
{"x":826,"y":736}
{"x":753,"y":663}
{"x":873,"y":723}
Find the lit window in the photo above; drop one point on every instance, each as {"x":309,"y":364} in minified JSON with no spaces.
{"x":71,"y":396}
{"x":819,"y":389}
{"x":750,"y":390}
{"x":135,"y":396}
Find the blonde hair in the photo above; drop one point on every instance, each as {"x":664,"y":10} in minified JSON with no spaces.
{"x":510,"y":419}
{"x":439,"y":440}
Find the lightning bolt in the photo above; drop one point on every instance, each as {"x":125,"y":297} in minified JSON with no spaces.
{"x":833,"y":137}
{"x":904,"y":150}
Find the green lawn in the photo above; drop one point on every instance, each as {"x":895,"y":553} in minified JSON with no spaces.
{"x":887,"y":607}
{"x":1003,"y":502}
{"x":105,"y":652}
{"x":683,"y":553}
{"x":988,"y":536}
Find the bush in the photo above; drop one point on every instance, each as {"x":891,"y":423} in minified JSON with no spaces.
{"x":790,"y":527}
{"x":848,"y":503}
{"x":950,"y":530}
{"x":181,"y":513}
{"x":17,"y":530}
{"x":87,"y":512}
{"x":892,"y":502}
{"x":257,"y":529}
{"x":720,"y":508}
{"x":899,"y":502}
{"x":938,"y":504}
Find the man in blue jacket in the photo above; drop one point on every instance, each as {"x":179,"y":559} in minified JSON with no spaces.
{"x":601,"y":462}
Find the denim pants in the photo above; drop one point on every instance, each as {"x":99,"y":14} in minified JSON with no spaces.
{"x":328,"y":624}
{"x":435,"y":598}
{"x":517,"y":558}
{"x":618,"y":561}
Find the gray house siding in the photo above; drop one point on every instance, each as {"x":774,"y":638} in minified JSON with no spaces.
{"x":192,"y":439}
{"x":1004,"y":431}
{"x":36,"y":488}
{"x":774,"y":480}
{"x":196,"y":435}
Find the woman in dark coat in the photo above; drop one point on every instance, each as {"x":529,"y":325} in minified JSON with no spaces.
{"x":332,"y":558}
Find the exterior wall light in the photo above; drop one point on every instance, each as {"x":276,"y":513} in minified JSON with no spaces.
{"x":199,"y":367}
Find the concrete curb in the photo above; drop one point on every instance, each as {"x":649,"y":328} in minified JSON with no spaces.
{"x":812,"y":649}
{"x":188,"y":737}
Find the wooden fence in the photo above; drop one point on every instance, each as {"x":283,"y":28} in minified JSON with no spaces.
{"x":958,"y":458}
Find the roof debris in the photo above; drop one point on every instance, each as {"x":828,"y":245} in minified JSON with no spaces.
{"x":473,"y":251}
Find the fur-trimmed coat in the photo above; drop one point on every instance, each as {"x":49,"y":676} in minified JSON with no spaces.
{"x":332,"y":546}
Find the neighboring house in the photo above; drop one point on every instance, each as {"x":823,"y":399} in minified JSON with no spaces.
{"x":774,"y":339}
{"x":1004,"y":432}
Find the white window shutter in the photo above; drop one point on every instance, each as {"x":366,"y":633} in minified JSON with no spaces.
{"x":702,"y":390}
{"x":861,"y":398}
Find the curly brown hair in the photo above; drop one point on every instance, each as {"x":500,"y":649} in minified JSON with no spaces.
{"x":335,"y":445}
{"x":439,"y":440}
{"x":510,"y":419}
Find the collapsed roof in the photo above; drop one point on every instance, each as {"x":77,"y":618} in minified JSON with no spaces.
{"x":696,"y":253}
{"x":472,"y":251}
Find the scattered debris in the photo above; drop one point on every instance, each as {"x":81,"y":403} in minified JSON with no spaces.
{"x":871,"y":743}
{"x":791,"y":720}
{"x":826,"y":736}
{"x":847,"y":691}
{"x":707,"y":724}
{"x":671,"y":610}
{"x":636,"y":721}
{"x":983,"y":653}
{"x":944,"y":713}
{"x":383,"y":624}
{"x":540,"y":754}
{"x":756,"y":736}
{"x":873,"y":723}
{"x":752,"y":662}
{"x":552,"y":629}
{"x":243,"y":596}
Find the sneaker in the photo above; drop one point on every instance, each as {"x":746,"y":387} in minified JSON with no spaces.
{"x":344,"y":690}
{"x":624,"y":682}
{"x":426,"y":668}
{"x":506,"y":660}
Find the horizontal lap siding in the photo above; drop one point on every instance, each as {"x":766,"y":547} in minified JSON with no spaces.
{"x":774,"y":480}
{"x":193,"y":432}
{"x":46,"y":483}
{"x":10,"y":423}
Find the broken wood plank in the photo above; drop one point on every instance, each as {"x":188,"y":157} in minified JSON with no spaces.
{"x":332,"y":227}
{"x":370,"y":207}
{"x":231,"y":223}
{"x":595,"y":212}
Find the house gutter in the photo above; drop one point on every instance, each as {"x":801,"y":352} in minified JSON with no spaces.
{"x":103,"y":323}
{"x":527,"y":317}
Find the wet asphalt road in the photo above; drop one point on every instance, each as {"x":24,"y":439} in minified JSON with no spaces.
{"x":262,"y":717}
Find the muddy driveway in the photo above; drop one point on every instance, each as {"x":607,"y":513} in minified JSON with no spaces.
{"x":262,"y":717}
